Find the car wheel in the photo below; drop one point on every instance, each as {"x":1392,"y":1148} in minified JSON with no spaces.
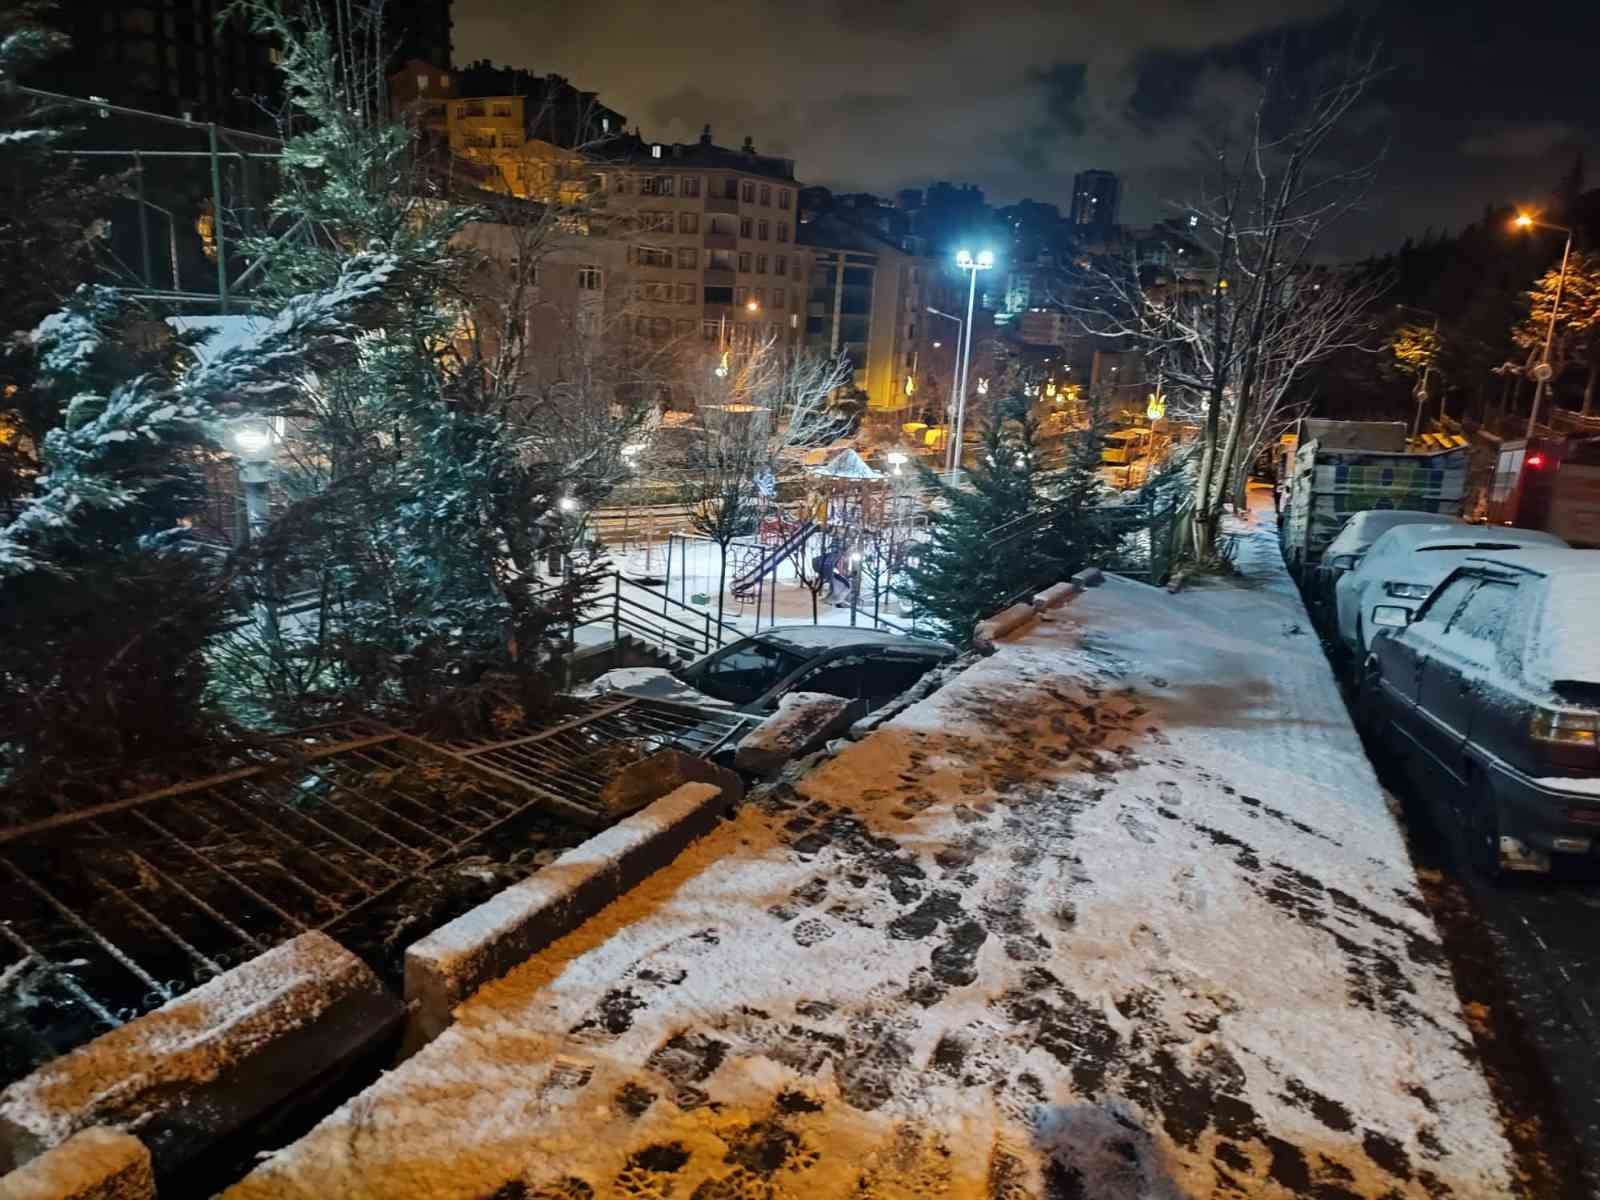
{"x":1483,"y":831}
{"x":1369,"y":698}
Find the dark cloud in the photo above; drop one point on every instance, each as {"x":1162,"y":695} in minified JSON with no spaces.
{"x":1521,"y":141}
{"x":1017,"y":95}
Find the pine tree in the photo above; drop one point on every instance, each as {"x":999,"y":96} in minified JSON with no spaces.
{"x":982,"y":550}
{"x":422,"y":502}
{"x":108,"y":607}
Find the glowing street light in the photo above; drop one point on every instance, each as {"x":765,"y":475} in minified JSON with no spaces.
{"x":1544,"y":372}
{"x":752,"y":305}
{"x":567,"y":504}
{"x":966,"y":262}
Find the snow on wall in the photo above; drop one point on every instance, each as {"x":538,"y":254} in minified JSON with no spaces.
{"x":94,"y":1164}
{"x":140,"y":1072}
{"x":450,"y":963}
{"x":1118,"y":912}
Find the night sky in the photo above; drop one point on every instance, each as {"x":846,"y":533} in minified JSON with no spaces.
{"x":1481,"y":103}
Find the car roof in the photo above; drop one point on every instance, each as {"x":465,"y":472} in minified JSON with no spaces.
{"x":1374,"y":522}
{"x":1561,"y":643}
{"x":1411,"y":536}
{"x":1547,"y":560}
{"x":811,"y":640}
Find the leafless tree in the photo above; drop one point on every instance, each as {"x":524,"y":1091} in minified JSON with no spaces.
{"x":1230,"y":337}
{"x":760,"y":406}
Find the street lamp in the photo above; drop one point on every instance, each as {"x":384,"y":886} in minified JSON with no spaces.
{"x":1421,"y":391}
{"x":972,"y":266}
{"x":1544,"y":372}
{"x":254,"y":441}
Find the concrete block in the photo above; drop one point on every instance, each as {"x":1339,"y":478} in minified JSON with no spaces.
{"x":804,"y":721}
{"x":649,"y":779}
{"x":93,"y":1164}
{"x":1006,"y":621}
{"x":1055,"y":596}
{"x":203,"y":1065}
{"x":448,"y":965}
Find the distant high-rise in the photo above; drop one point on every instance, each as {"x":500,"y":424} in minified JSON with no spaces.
{"x":1095,"y":198}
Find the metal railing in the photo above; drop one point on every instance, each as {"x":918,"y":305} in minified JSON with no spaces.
{"x":677,"y":628}
{"x":112,"y":910}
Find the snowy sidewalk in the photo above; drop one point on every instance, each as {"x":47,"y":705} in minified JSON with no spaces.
{"x":1119,"y":912}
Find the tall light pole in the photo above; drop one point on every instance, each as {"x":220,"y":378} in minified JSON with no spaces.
{"x":955,"y":362}
{"x":254,"y":440}
{"x":1544,"y":372}
{"x":972,"y":266}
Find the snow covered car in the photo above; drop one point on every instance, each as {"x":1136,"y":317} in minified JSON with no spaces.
{"x":870,"y":665}
{"x":1406,"y":564}
{"x":1353,"y":541}
{"x":1494,"y":686}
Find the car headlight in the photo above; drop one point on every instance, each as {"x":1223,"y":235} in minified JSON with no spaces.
{"x":1408,"y":591}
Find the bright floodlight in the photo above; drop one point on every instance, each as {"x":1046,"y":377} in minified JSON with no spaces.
{"x":986,"y":259}
{"x":566,"y":504}
{"x":1523,"y":220}
{"x":963,"y":259}
{"x":254,"y":439}
{"x":752,"y":305}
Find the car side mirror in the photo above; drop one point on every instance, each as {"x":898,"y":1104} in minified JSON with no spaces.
{"x":1391,"y":616}
{"x":1344,"y":562}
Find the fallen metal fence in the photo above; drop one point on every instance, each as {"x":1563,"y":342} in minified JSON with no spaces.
{"x":110,"y":911}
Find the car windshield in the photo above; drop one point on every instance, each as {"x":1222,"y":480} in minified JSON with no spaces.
{"x":743,"y":672}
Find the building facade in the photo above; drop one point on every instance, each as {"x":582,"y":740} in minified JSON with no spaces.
{"x":709,"y":235}
{"x":1096,"y":200}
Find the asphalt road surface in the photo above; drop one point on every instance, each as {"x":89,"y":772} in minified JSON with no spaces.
{"x":1526,"y":956}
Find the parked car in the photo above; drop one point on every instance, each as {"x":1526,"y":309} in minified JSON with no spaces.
{"x":1352,"y":542}
{"x":870,"y":665}
{"x":1405,"y":564}
{"x":1493,"y":687}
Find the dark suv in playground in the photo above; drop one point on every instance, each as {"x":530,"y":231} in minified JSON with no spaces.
{"x":1493,"y":686}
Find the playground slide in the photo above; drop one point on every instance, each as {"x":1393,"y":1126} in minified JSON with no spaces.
{"x":745,"y":584}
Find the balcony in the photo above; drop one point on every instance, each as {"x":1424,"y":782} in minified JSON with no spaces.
{"x":721,"y":204}
{"x":721,"y":241}
{"x":714,"y":278}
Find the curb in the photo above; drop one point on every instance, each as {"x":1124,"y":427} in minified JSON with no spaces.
{"x":94,"y":1164}
{"x":457,"y":959}
{"x":205,"y":1064}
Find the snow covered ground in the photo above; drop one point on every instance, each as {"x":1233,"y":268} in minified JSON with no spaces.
{"x":1119,"y":912}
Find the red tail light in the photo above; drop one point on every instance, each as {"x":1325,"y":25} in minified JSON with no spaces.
{"x":1536,"y":461}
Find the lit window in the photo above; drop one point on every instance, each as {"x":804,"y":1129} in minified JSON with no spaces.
{"x":655,"y":150}
{"x":605,"y":124}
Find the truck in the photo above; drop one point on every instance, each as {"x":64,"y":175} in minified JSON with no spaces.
{"x":1341,"y":468}
{"x":1550,"y":483}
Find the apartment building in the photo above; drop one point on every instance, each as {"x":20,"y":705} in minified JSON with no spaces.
{"x":868,"y":298}
{"x":710,"y":237}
